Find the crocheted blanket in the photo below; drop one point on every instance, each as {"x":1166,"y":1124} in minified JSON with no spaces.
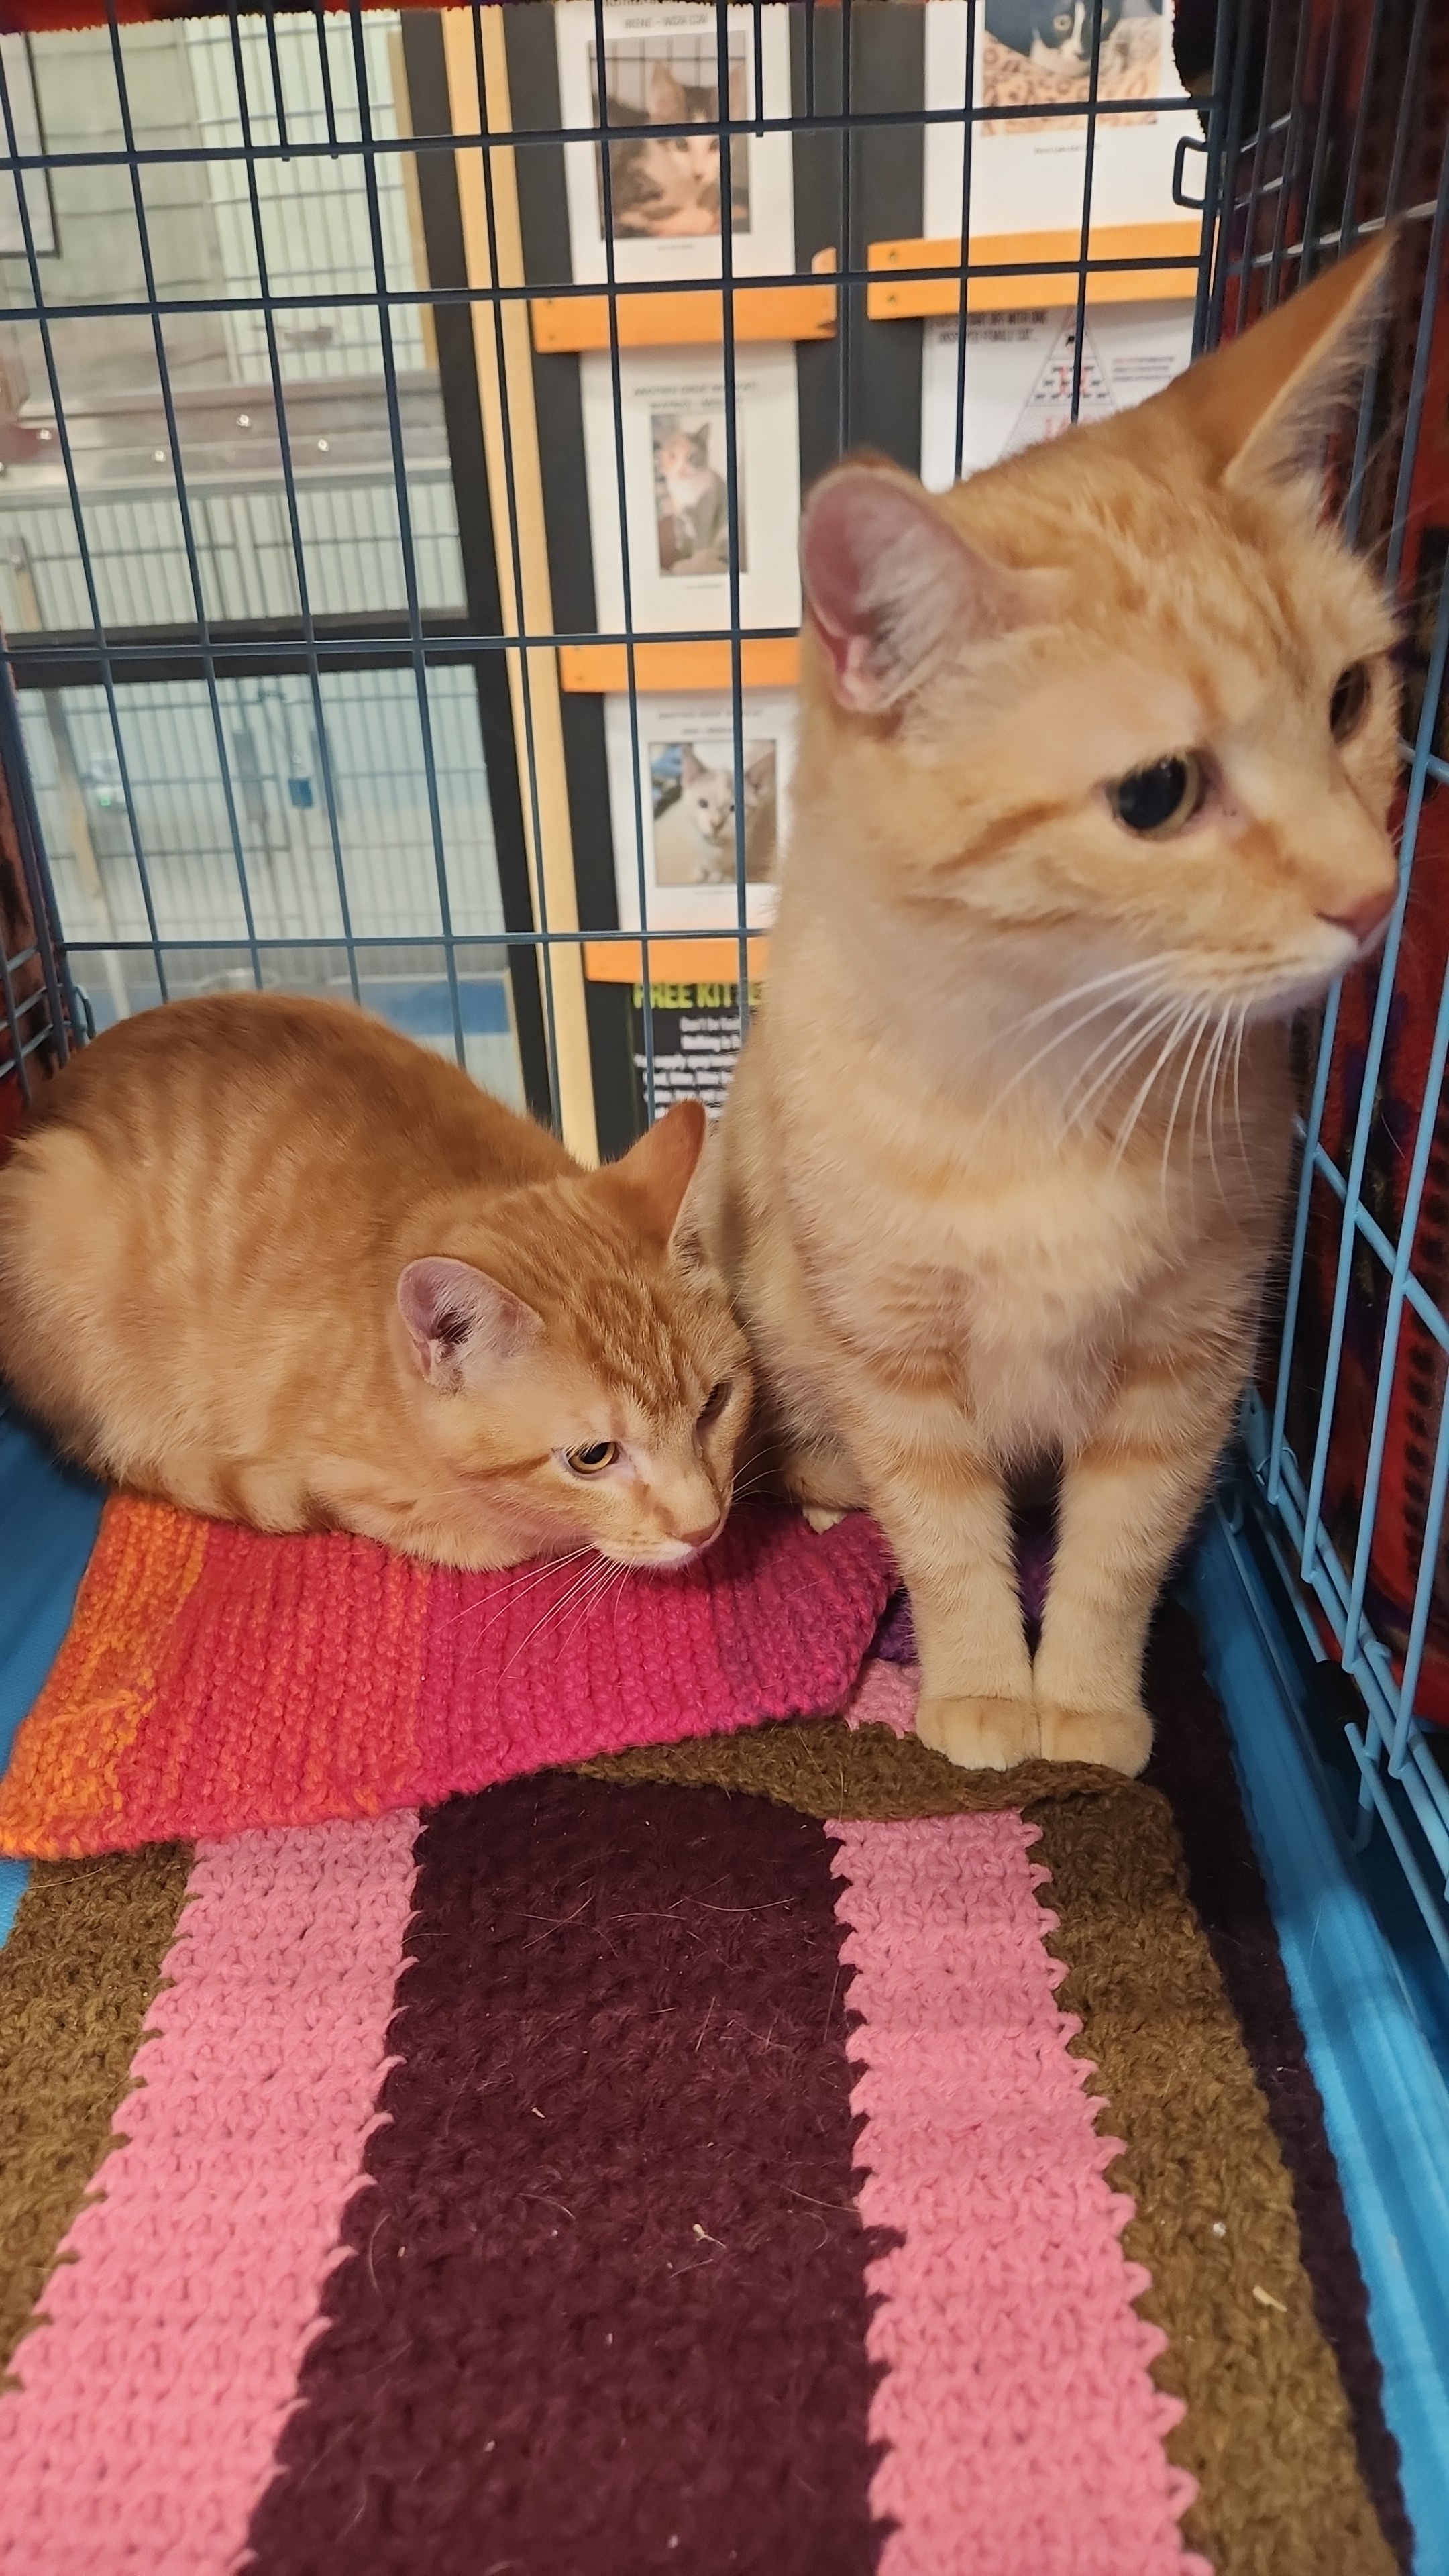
{"x":621,"y":2173}
{"x":214,"y":1679}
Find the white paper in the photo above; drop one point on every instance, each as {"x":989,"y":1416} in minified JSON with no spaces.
{"x":1028,"y":175}
{"x":663,"y":69}
{"x":686,"y":774}
{"x":1019,"y":377}
{"x":676,"y":488}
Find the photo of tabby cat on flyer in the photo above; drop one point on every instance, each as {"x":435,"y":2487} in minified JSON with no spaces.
{"x":665,"y":186}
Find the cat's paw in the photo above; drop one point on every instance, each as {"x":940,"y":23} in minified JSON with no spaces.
{"x":1118,"y":1738}
{"x":979,"y":1734}
{"x":822,"y":1517}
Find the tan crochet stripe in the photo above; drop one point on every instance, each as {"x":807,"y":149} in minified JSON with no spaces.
{"x":1267,"y":2432}
{"x":827,"y":1769}
{"x":77,"y":1978}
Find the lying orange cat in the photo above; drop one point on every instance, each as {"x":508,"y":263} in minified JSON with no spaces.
{"x":269,"y":1260}
{"x":1095,"y":759}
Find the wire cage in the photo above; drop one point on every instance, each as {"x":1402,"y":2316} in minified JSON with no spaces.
{"x":403,"y":418}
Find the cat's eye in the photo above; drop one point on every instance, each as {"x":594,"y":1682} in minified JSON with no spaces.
{"x":592,"y":1459}
{"x":1349,"y":703}
{"x":1161,"y":799}
{"x":715,"y":1402}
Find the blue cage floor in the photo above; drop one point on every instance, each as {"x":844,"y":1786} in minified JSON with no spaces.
{"x":48,"y":1521}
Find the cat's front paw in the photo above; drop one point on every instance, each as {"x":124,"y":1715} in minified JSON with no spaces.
{"x":979,"y":1734}
{"x":1120,"y":1739}
{"x":822,"y":1517}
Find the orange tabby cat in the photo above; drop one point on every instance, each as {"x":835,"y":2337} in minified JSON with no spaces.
{"x":271,"y":1261}
{"x":1096,"y":754}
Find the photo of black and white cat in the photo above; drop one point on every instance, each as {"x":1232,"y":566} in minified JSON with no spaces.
{"x":693,"y":787}
{"x":1039,"y":53}
{"x":691,"y":495}
{"x":664,"y":185}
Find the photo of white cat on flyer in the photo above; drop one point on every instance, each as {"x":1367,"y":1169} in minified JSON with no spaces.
{"x":660,"y":96}
{"x":693,"y":789}
{"x":665,"y":186}
{"x":691,"y":494}
{"x":694,"y":808}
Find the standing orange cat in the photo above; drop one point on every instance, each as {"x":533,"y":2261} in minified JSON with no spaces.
{"x":271,"y":1261}
{"x":1095,"y":760}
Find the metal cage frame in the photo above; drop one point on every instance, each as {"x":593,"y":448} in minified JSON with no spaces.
{"x":1320,"y":120}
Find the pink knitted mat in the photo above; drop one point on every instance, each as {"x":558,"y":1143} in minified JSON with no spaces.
{"x":214,"y":1679}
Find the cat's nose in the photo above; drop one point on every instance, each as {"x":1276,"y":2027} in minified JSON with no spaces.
{"x":699,"y":1538}
{"x":1363,"y":919}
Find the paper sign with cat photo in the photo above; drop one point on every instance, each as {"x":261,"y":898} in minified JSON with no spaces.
{"x":691,"y":493}
{"x":1027,"y":171}
{"x":1019,"y":372}
{"x":681,"y":517}
{"x":662,"y":194}
{"x":698,"y":807}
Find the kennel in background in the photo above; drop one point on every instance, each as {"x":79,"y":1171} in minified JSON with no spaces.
{"x":397,"y":488}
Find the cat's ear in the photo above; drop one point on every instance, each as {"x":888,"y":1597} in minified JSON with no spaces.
{"x":666,"y":98}
{"x":891,"y":584}
{"x":461,"y":1324}
{"x":690,"y":764}
{"x":1263,"y":406}
{"x":653,"y":1177}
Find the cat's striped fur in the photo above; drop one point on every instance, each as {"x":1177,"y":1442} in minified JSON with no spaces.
{"x":269,"y":1260}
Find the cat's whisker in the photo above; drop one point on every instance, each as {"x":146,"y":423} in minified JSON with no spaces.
{"x":516,"y":1590}
{"x":1237,"y":1082}
{"x":1205,"y":1102}
{"x":593,"y":1596}
{"x":1185,"y":1015}
{"x":1202,"y":1102}
{"x":555,"y":1609}
{"x":1122,"y":1062}
{"x":1136,"y":1038}
{"x":1135,"y":973}
{"x":1219,"y":1072}
{"x":1201,"y":1023}
{"x":1062,"y":1038}
{"x":1104,"y":1045}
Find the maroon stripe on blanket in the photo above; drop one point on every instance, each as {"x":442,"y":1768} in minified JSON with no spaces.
{"x":606,"y":2310}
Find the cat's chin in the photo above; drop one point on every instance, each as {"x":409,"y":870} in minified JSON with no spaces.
{"x":663,"y":1560}
{"x":1306,"y":990}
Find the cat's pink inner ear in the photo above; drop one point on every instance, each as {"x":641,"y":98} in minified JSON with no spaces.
{"x":655,"y":1174}
{"x":891,"y":584}
{"x":461,"y":1324}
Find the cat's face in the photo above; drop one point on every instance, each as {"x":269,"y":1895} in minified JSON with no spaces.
{"x":709,"y":798}
{"x":1056,"y":32}
{"x":683,"y":454}
{"x":1121,"y":708}
{"x":591,"y":1383}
